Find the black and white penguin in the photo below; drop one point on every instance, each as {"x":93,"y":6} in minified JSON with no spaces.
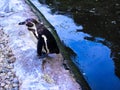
{"x":46,"y":40}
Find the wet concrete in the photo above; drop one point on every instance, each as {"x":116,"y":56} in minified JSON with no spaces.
{"x":33,"y":73}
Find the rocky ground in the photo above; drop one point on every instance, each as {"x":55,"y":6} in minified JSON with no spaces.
{"x":8,"y":79}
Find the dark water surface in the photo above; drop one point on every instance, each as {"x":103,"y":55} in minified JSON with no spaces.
{"x":98,"y":53}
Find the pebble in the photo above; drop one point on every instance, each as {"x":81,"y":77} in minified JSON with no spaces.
{"x":6,"y":86}
{"x":2,"y":84}
{"x":15,"y":85}
{"x":8,"y":79}
{"x":11,"y":59}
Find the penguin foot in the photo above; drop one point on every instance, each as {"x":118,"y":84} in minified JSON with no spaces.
{"x":43,"y":55}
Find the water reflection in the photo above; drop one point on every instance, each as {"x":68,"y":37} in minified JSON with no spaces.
{"x":97,"y":45}
{"x":107,"y":28}
{"x":99,"y":18}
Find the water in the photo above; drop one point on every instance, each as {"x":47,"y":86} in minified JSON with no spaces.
{"x":97,"y":49}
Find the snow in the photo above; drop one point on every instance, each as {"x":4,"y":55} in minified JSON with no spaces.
{"x":33,"y":73}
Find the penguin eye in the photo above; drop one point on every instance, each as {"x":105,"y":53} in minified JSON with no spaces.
{"x":29,"y":24}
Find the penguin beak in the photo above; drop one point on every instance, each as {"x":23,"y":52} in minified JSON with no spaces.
{"x":22,"y":23}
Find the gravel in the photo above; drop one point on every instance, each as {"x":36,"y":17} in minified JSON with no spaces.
{"x":8,"y":79}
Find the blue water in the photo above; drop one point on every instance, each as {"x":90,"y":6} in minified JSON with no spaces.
{"x":93,"y":58}
{"x":97,"y":66}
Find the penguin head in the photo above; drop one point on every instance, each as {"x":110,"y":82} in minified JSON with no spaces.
{"x":29,"y":22}
{"x":31,"y":25}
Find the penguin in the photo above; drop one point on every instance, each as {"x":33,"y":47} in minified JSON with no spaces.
{"x":45,"y":38}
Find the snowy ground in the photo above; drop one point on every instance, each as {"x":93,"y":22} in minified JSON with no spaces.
{"x":33,"y":73}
